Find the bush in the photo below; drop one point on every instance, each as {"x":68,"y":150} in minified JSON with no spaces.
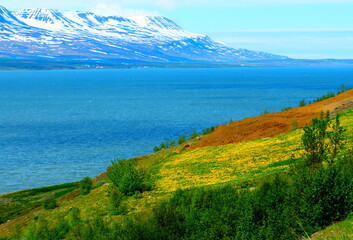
{"x":181,"y":139}
{"x":326,"y":96}
{"x":302,"y":103}
{"x":323,"y":194}
{"x":49,"y":203}
{"x":283,"y":207}
{"x":208,"y":130}
{"x":264,"y":112}
{"x":128,"y":178}
{"x":193,"y":135}
{"x":86,"y":185}
{"x":322,"y":140}
{"x":286,"y":108}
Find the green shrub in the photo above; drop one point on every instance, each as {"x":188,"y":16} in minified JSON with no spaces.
{"x":286,"y":108}
{"x":208,"y":130}
{"x":86,"y":185}
{"x":264,"y":112}
{"x":193,"y":135}
{"x":287,"y":206}
{"x":181,"y":139}
{"x":302,"y":103}
{"x":323,"y":194}
{"x":49,"y":203}
{"x":128,"y":178}
{"x":322,"y":139}
{"x":326,"y":96}
{"x":343,"y":89}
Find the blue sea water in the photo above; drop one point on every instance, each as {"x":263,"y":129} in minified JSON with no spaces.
{"x":60,"y":126}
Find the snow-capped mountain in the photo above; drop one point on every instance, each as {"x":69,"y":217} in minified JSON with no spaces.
{"x":38,"y":33}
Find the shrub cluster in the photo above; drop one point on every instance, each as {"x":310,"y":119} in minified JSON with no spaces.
{"x":328,"y":95}
{"x":86,"y":185}
{"x":322,"y":140}
{"x":128,"y":178}
{"x":182,"y":139}
{"x":283,"y":207}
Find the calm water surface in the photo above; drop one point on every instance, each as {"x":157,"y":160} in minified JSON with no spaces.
{"x":60,"y":126}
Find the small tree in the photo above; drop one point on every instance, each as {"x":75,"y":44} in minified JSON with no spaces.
{"x":181,"y":139}
{"x":302,"y":103}
{"x":322,"y":140}
{"x":86,"y":185}
{"x":336,"y":138}
{"x":156,"y":149}
{"x":127,"y":177}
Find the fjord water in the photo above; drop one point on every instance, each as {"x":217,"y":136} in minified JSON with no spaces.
{"x":60,"y":126}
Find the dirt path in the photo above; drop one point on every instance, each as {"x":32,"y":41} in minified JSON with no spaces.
{"x":274,"y":124}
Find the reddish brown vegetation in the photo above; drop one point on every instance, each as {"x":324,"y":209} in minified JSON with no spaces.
{"x":274,"y":124}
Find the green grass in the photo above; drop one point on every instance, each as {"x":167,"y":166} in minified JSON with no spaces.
{"x":16,"y":204}
{"x":339,"y":231}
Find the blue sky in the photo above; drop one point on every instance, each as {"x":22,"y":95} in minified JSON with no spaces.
{"x":296,"y":28}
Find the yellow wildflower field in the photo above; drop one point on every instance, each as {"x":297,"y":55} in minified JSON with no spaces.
{"x":235,"y":162}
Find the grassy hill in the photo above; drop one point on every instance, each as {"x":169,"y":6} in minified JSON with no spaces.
{"x":241,"y":165}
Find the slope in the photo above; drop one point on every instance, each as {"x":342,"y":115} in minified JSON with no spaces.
{"x":274,"y":124}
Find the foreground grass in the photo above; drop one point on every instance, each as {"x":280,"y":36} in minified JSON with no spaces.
{"x":339,"y":231}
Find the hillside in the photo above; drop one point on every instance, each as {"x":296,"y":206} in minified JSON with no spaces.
{"x":213,"y":161}
{"x":274,"y":124}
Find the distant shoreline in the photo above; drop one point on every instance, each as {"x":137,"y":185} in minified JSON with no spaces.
{"x":14,"y":64}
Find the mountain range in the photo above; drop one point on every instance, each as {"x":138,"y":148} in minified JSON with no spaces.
{"x":35,"y":34}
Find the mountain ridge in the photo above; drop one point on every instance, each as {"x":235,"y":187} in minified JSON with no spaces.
{"x":73,"y":35}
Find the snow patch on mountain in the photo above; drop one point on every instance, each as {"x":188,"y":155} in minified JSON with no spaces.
{"x":84,"y":35}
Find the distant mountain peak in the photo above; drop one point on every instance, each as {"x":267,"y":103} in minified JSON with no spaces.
{"x":49,"y":33}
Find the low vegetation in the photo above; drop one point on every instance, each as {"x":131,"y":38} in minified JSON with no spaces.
{"x":15,"y":204}
{"x":86,"y":185}
{"x":264,"y":112}
{"x":328,"y":95}
{"x":49,"y":203}
{"x":182,"y":139}
{"x":285,"y":187}
{"x":285,"y":206}
{"x":127,"y":178}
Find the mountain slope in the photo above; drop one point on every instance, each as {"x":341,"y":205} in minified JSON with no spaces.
{"x":71,"y":35}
